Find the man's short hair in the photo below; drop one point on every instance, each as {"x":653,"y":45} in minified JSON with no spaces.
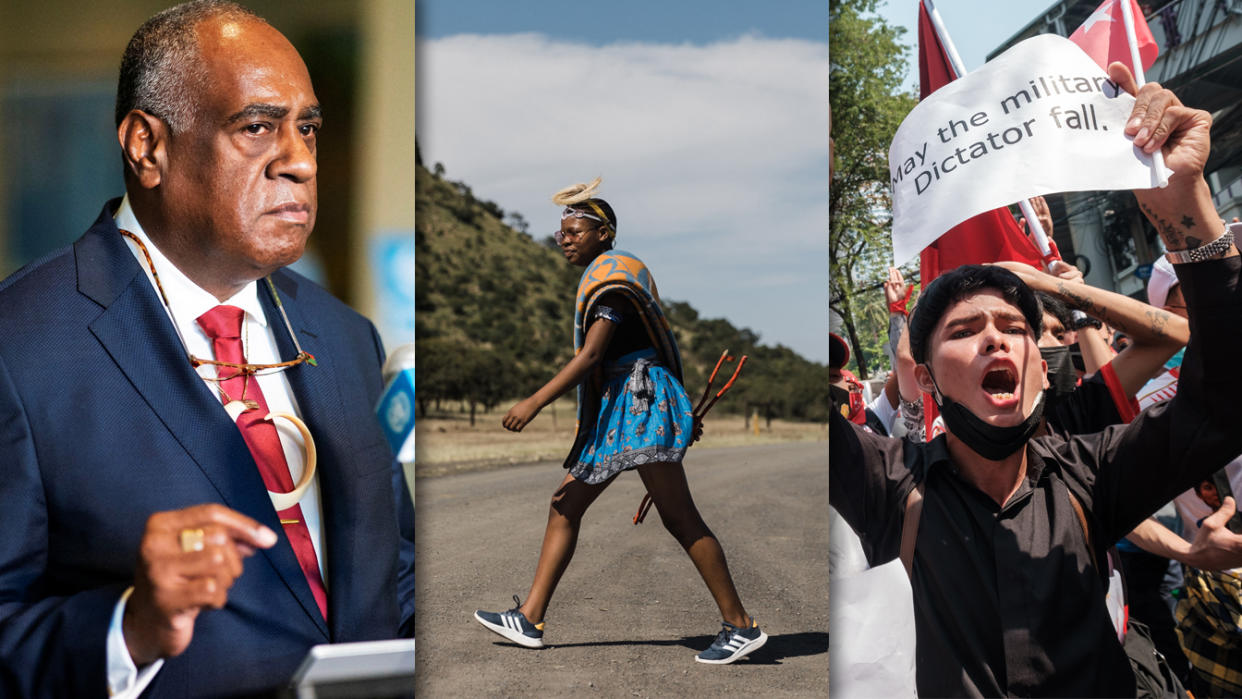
{"x":953,"y":286}
{"x":161,"y":70}
{"x":1056,"y":308}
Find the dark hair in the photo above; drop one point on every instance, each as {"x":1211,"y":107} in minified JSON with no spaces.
{"x":953,"y":286}
{"x":1056,"y":308}
{"x":838,"y":351}
{"x":161,"y":69}
{"x":608,"y":214}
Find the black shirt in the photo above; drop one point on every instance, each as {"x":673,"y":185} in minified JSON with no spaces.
{"x":1006,"y":600}
{"x":1090,"y":408}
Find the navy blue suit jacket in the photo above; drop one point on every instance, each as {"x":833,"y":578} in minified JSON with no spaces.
{"x":103,"y":422}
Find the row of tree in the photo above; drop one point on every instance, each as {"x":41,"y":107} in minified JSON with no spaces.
{"x":495,"y":318}
{"x":868,"y":67}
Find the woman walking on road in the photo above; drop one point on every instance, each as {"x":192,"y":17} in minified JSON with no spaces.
{"x":633,"y":413}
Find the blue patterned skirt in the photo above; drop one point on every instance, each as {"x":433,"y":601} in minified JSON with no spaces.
{"x":644,"y":417}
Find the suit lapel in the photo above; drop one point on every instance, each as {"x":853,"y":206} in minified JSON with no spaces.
{"x":319,"y":392}
{"x":137,"y":334}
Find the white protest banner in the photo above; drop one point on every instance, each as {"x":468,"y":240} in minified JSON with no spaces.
{"x":873,"y":622}
{"x":1040,"y":118}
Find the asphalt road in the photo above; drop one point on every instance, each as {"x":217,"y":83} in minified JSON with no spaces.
{"x":631,"y":611}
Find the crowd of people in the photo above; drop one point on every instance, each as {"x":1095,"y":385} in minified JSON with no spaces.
{"x":1054,"y":464}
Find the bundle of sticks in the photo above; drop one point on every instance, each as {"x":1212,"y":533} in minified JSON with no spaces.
{"x":699,"y":412}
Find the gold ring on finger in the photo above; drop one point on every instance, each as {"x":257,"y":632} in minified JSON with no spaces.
{"x":192,"y":539}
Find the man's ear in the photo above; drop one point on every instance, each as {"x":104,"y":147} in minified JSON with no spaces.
{"x":1043,"y":364}
{"x":923,"y":375}
{"x":144,"y":141}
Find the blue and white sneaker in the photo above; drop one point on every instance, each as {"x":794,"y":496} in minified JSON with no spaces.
{"x":733,"y":643}
{"x":513,"y":625}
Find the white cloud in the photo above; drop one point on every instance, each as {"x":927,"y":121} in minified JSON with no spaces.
{"x":714,"y":157}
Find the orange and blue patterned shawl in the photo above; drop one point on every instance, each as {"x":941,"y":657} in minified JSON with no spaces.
{"x":616,"y":270}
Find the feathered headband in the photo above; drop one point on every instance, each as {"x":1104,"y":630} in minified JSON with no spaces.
{"x":576,"y":195}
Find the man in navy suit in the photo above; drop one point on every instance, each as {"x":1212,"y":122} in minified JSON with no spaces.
{"x":146,"y":546}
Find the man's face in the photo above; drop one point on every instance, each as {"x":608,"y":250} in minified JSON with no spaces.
{"x":1175,"y":303}
{"x":240,"y":180}
{"x":1055,"y":334}
{"x":1208,"y":494}
{"x":983,"y":355}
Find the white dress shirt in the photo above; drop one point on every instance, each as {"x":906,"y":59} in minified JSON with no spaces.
{"x":186,"y":302}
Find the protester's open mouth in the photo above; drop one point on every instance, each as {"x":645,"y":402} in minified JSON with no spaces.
{"x":1000,"y":383}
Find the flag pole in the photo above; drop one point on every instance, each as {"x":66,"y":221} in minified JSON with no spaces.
{"x":1127,"y":18}
{"x":959,"y":69}
{"x":955,"y":61}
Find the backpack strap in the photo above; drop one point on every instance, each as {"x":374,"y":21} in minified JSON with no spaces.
{"x":1082,"y":522}
{"x":910,"y":527}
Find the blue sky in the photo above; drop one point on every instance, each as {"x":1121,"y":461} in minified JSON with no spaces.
{"x":659,"y":21}
{"x":976,"y":26}
{"x":707,"y":121}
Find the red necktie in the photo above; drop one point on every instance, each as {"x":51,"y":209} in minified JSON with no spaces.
{"x":223,"y":325}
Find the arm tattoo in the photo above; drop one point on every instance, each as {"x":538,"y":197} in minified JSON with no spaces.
{"x":1080,"y":302}
{"x":1173,"y":238}
{"x":1159,"y":321}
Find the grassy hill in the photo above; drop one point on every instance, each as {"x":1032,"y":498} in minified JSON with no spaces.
{"x":495,"y":316}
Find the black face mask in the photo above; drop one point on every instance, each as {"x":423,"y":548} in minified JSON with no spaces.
{"x":1061,"y":377}
{"x":1076,"y":357}
{"x":989,"y":441}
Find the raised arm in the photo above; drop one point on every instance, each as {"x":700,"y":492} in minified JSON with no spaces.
{"x":1183,"y":212}
{"x":1171,"y":446}
{"x":897,"y":294}
{"x":1156,"y":334}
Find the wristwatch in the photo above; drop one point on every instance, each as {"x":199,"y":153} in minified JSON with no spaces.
{"x":1210,"y":251}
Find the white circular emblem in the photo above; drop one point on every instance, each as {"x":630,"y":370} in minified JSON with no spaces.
{"x":399,"y":412}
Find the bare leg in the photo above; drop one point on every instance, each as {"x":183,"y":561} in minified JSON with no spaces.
{"x":569,"y":503}
{"x":667,"y":485}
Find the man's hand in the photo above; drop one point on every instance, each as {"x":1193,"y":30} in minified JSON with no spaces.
{"x":1064,"y":270}
{"x":896,"y":291}
{"x":171,"y":585}
{"x":1215,"y":547}
{"x":1159,"y":120}
{"x":697,"y":430}
{"x":1040,"y":206}
{"x":1183,"y":212}
{"x":1034,"y":278}
{"x":521,"y":414}
{"x":1058,"y":271}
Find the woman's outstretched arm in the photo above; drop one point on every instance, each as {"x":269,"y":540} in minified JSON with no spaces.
{"x":598,"y":335}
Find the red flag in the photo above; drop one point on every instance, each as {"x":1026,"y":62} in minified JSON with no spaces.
{"x":989,"y":237}
{"x":935,"y":68}
{"x":1103,"y":36}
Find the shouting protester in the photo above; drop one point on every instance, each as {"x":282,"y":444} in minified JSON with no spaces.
{"x":1007,"y":590}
